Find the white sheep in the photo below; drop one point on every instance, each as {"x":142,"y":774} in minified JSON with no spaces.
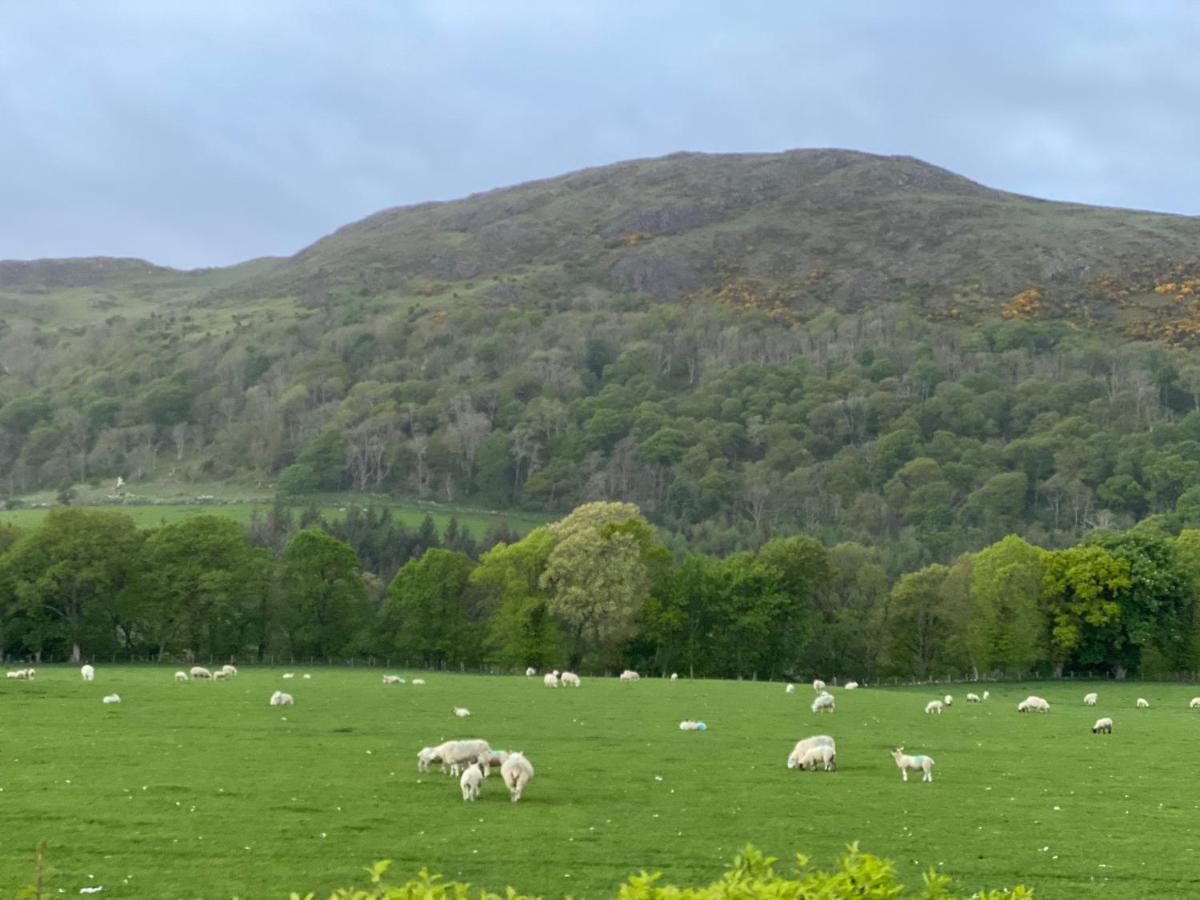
{"x":948,"y":700}
{"x":200,"y":672}
{"x":550,"y":680}
{"x":569,"y":679}
{"x":392,"y":679}
{"x":1143,"y":703}
{"x":986,"y":694}
{"x":688,"y":725}
{"x":229,"y":669}
{"x":462,"y":712}
{"x":823,"y":701}
{"x":111,"y":698}
{"x":457,"y":754}
{"x":181,"y":676}
{"x":88,"y":673}
{"x":820,"y":754}
{"x":1033,"y":702}
{"x":919,"y":763}
{"x":307,"y":677}
{"x":219,"y":675}
{"x":427,"y":756}
{"x":516,"y":773}
{"x":818,"y":685}
{"x":15,"y":673}
{"x":630,"y":675}
{"x":287,"y":675}
{"x":933,"y":706}
{"x":802,"y":747}
{"x":530,"y":672}
{"x":674,"y":676}
{"x":279,"y":698}
{"x":472,"y":778}
{"x":1102,"y":726}
{"x":414,"y":681}
{"x":851,"y":685}
{"x":789,"y":689}
{"x":1090,"y":699}
{"x":972,"y":698}
{"x":1195,"y":703}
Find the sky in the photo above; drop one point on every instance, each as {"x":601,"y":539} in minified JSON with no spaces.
{"x":205,"y":133}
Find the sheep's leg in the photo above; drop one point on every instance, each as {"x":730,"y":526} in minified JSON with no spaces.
{"x":904,"y":774}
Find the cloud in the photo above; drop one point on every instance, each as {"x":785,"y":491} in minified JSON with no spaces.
{"x":202,"y":133}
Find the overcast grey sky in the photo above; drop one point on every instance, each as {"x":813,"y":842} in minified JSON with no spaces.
{"x":209,"y":132}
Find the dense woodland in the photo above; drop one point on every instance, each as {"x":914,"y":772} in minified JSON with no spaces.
{"x":595,"y":591}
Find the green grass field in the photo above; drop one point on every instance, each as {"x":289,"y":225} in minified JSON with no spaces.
{"x":477,"y":522}
{"x":203,"y":790}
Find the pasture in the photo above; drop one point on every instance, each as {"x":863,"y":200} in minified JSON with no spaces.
{"x":203,"y":790}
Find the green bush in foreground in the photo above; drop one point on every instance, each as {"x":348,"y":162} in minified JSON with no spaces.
{"x":752,"y":875}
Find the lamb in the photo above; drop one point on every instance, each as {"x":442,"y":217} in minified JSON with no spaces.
{"x":111,"y":698}
{"x":917,"y":763}
{"x":569,"y":679}
{"x":22,"y":674}
{"x":972,"y":698}
{"x":933,"y":706}
{"x":88,"y":673}
{"x":789,"y":689}
{"x":851,"y":685}
{"x":674,"y":676}
{"x":181,"y":676}
{"x":550,"y":680}
{"x":414,"y":681}
{"x":1143,"y":703}
{"x":986,"y":694}
{"x":472,"y":778}
{"x":219,"y":675}
{"x":279,"y":698}
{"x":688,"y":725}
{"x":802,"y":747}
{"x":1195,"y":703}
{"x":530,"y":672}
{"x":461,"y":711}
{"x":948,"y":700}
{"x":822,"y":753}
{"x":427,"y":756}
{"x":823,"y":701}
{"x":818,"y":685}
{"x":289,"y":675}
{"x":516,"y":773}
{"x":630,"y":675}
{"x":1090,"y":699}
{"x":1102,"y":726}
{"x":229,"y":669}
{"x":457,"y":754}
{"x":200,"y":672}
{"x":307,"y":677}
{"x":392,"y":679}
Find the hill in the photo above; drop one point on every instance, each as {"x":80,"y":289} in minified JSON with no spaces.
{"x":869,"y":348}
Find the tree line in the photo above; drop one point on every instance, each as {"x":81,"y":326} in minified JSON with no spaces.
{"x":597,"y":590}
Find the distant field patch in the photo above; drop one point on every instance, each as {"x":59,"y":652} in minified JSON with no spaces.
{"x":202,"y":789}
{"x":151,"y":516}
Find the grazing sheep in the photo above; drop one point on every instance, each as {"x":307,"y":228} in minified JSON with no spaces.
{"x":414,"y":681}
{"x":229,"y":669}
{"x":392,"y":679}
{"x":14,"y":674}
{"x":279,"y":698}
{"x":1033,"y":702}
{"x":219,"y":675}
{"x":306,"y":676}
{"x":823,"y":701}
{"x":1195,"y":703}
{"x":972,"y":698}
{"x":461,"y":711}
{"x":851,"y":685}
{"x":818,"y":685}
{"x":427,"y":756}
{"x":181,"y":676}
{"x":802,"y":747}
{"x":569,"y":679}
{"x":1102,"y":726}
{"x":289,"y":674}
{"x":530,"y":672}
{"x":1143,"y":703}
{"x":550,"y":680}
{"x":948,"y":700}
{"x":1090,"y":699}
{"x":917,"y":763}
{"x":457,"y":754}
{"x":472,"y":778}
{"x":516,"y":773}
{"x":674,"y":676}
{"x":22,"y":674}
{"x":933,"y":706}
{"x":688,"y":725}
{"x":111,"y":698}
{"x":88,"y":673}
{"x":630,"y":675}
{"x":789,"y":689}
{"x":822,"y":753}
{"x":200,"y":672}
